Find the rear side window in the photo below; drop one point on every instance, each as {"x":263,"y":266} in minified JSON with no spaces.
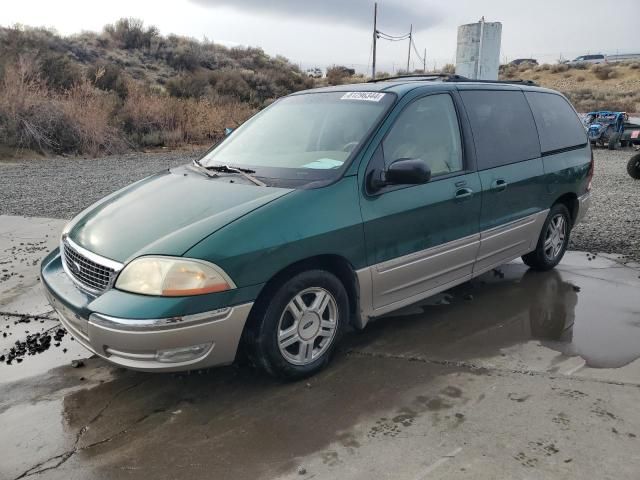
{"x":503,"y":128}
{"x":558,"y":125}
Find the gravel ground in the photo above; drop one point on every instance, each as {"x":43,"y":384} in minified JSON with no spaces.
{"x":59,"y":188}
{"x":613,"y":222}
{"x":62,"y":187}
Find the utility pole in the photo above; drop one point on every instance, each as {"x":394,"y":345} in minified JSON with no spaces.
{"x":375,"y":37}
{"x":479,"y":64}
{"x":424,"y":62}
{"x":410,"y":40}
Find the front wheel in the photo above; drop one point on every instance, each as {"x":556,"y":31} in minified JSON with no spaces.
{"x":296,"y":331}
{"x":553,"y":240}
{"x":633,"y":167}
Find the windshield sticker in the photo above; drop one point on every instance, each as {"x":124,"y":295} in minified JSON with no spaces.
{"x":324,"y":164}
{"x":366,"y":96}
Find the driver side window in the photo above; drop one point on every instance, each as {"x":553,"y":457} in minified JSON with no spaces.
{"x":427,"y":129}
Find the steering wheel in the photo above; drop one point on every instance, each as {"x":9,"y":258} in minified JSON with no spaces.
{"x":348,"y":147}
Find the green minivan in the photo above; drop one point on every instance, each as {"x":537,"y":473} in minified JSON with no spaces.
{"x":329,"y":208}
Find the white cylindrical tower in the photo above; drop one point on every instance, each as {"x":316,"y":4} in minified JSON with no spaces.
{"x":478,"y":53}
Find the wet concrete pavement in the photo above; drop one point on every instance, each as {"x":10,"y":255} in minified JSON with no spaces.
{"x":514,"y":375}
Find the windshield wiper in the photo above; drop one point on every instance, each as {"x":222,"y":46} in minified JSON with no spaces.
{"x":245,"y":172}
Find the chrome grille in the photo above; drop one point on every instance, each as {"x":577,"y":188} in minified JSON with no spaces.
{"x":87,"y":273}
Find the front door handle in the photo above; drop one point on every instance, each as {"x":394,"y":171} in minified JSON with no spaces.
{"x":463,"y":194}
{"x":499,"y":185}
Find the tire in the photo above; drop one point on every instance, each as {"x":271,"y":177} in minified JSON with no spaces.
{"x":553,"y":240}
{"x":625,"y":143}
{"x":633,"y":167}
{"x":313,"y":335}
{"x":614,"y":139}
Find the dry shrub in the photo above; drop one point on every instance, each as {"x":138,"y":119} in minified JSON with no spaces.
{"x":338,"y":74}
{"x":150,"y":119}
{"x":558,"y":68}
{"x":586,"y":100}
{"x":580,"y":78}
{"x":35,"y":117}
{"x":634,"y":65}
{"x":603,"y":72}
{"x":509,"y":71}
{"x":448,"y":68}
{"x":90,"y":111}
{"x":130,"y":33}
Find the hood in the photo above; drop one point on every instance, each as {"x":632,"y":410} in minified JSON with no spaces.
{"x":165,"y":214}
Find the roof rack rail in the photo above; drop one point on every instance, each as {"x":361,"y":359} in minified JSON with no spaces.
{"x":504,"y":82}
{"x":450,"y":77}
{"x":417,"y":77}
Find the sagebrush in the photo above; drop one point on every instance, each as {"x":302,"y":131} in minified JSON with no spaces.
{"x":129,"y":87}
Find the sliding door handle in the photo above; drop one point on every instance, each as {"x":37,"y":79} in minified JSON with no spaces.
{"x":499,"y":185}
{"x":463,"y":194}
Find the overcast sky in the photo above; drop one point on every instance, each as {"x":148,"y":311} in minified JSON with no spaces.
{"x":324,"y":32}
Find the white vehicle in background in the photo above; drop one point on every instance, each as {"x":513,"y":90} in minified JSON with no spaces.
{"x":596,"y":58}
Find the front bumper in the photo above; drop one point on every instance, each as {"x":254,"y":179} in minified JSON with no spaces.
{"x":210,"y":338}
{"x":584,"y":202}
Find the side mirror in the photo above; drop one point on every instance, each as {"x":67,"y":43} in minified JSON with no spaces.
{"x":228,"y":131}
{"x":408,"y":171}
{"x":404,"y":171}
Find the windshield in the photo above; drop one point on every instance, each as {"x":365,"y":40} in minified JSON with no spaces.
{"x":303,"y":137}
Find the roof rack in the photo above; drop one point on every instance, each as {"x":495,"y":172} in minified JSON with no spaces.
{"x":502,"y":82}
{"x":418,"y":77}
{"x":449,"y":77}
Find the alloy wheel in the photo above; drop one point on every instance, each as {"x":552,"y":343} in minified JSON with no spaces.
{"x":555,"y":237}
{"x":307,"y":326}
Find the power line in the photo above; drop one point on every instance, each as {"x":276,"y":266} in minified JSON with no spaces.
{"x":392,"y":38}
{"x":415,"y":49}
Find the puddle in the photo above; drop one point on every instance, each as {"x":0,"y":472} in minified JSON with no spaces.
{"x":596,"y":317}
{"x":33,"y":345}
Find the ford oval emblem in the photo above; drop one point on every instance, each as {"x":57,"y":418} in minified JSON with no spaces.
{"x":76,"y":266}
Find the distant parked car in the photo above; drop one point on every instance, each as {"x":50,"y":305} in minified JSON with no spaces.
{"x":314,"y":72}
{"x":522,"y":61}
{"x":599,"y":58}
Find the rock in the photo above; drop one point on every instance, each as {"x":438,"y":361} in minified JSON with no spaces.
{"x":77,"y":363}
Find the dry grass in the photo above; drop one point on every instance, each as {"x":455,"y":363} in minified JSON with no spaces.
{"x":88,"y":121}
{"x":35,"y":117}
{"x":151,"y":120}
{"x":589,"y":87}
{"x":129,"y":87}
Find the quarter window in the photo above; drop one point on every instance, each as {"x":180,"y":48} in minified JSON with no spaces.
{"x":503,"y":128}
{"x":558,"y":125}
{"x":427,"y":129}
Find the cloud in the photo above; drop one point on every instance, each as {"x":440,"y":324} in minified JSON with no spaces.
{"x":394,"y":16}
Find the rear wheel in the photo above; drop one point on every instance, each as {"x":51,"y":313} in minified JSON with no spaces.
{"x":553,"y":240}
{"x":295,"y":334}
{"x":633,"y":167}
{"x":614,"y":139}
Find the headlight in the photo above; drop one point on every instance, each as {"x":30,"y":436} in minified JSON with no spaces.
{"x":172,"y":277}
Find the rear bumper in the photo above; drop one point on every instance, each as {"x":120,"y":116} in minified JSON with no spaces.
{"x":173,"y":343}
{"x":584,"y":202}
